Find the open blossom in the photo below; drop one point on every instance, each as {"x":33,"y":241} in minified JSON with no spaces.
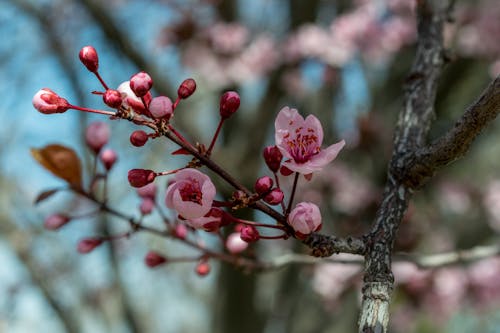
{"x":305,"y":218}
{"x":191,"y":193}
{"x":300,"y":141}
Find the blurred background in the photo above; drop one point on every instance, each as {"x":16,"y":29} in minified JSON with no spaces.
{"x":343,"y":61}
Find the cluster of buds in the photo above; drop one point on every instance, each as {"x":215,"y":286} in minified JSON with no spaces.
{"x":191,"y":194}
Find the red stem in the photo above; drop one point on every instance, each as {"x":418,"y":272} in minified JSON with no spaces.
{"x":101,"y":80}
{"x":217,"y":131}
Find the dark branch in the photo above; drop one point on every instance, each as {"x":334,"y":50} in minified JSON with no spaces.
{"x":456,"y":142}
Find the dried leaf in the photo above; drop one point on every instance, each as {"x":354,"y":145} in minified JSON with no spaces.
{"x":62,"y":161}
{"x":45,"y":195}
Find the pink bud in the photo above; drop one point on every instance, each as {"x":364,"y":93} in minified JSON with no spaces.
{"x":154,"y":259}
{"x":112,"y":98}
{"x":203,"y":268}
{"x":47,"y":102}
{"x":147,"y":206}
{"x":86,"y":245}
{"x":263,"y":185}
{"x":229,"y":103}
{"x":139,"y":138}
{"x":88,"y":57}
{"x":141,"y":177}
{"x":55,"y":221}
{"x":272,"y":157}
{"x":249,"y":234}
{"x":235,"y":244}
{"x":180,"y":231}
{"x":161,"y":107}
{"x":148,"y":191}
{"x":97,"y":135}
{"x":186,"y":88}
{"x":274,"y":197}
{"x":141,"y":83}
{"x":305,"y":218}
{"x":108,"y":158}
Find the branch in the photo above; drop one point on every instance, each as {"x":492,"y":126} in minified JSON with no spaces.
{"x":431,"y":261}
{"x":456,"y":142}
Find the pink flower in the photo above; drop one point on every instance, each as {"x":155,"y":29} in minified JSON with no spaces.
{"x":209,"y":222}
{"x":300,"y":141}
{"x":305,"y":218}
{"x":191,"y":194}
{"x":46,"y":101}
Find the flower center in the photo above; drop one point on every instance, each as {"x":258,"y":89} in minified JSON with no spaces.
{"x":191,"y":191}
{"x":304,"y":145}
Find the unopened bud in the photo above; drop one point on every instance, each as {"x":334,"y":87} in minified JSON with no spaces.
{"x":141,"y":83}
{"x":88,"y":57}
{"x":203,"y":268}
{"x":146,"y":207}
{"x":148,"y":191}
{"x":154,"y":259}
{"x":229,"y":103}
{"x":97,"y":135}
{"x":47,"y":102}
{"x":180,"y":231}
{"x":108,"y":158}
{"x":272,"y":157}
{"x":139,"y":138}
{"x":161,"y":107}
{"x":141,"y":177}
{"x":274,"y":197}
{"x":235,"y":244}
{"x":87,"y":245}
{"x":249,"y":234}
{"x":186,"y":89}
{"x":263,"y":185}
{"x":112,"y":98}
{"x":55,"y":221}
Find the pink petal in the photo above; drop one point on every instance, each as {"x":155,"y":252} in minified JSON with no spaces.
{"x":313,"y":123}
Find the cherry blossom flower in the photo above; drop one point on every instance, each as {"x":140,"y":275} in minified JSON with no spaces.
{"x":191,"y":193}
{"x":305,"y":218}
{"x":300,"y":141}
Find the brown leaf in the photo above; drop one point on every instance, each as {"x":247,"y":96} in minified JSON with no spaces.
{"x":45,"y":195}
{"x":61,"y":161}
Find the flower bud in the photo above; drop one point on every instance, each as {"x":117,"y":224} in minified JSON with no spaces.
{"x":86,"y":245}
{"x":88,"y":57}
{"x":112,"y":98}
{"x":55,"y":221}
{"x":97,"y":135}
{"x":139,"y":138}
{"x":141,"y":83}
{"x":148,"y":191}
{"x":263,"y":185}
{"x":272,"y":157}
{"x":249,"y":234}
{"x":108,"y":158}
{"x":305,"y":218}
{"x":161,"y":107}
{"x":147,"y":206}
{"x":141,"y":177}
{"x":180,"y":231}
{"x":229,"y":104}
{"x":47,"y":102}
{"x":154,"y":259}
{"x":203,"y":268}
{"x":235,"y":244}
{"x":274,"y":197}
{"x":186,"y":89}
